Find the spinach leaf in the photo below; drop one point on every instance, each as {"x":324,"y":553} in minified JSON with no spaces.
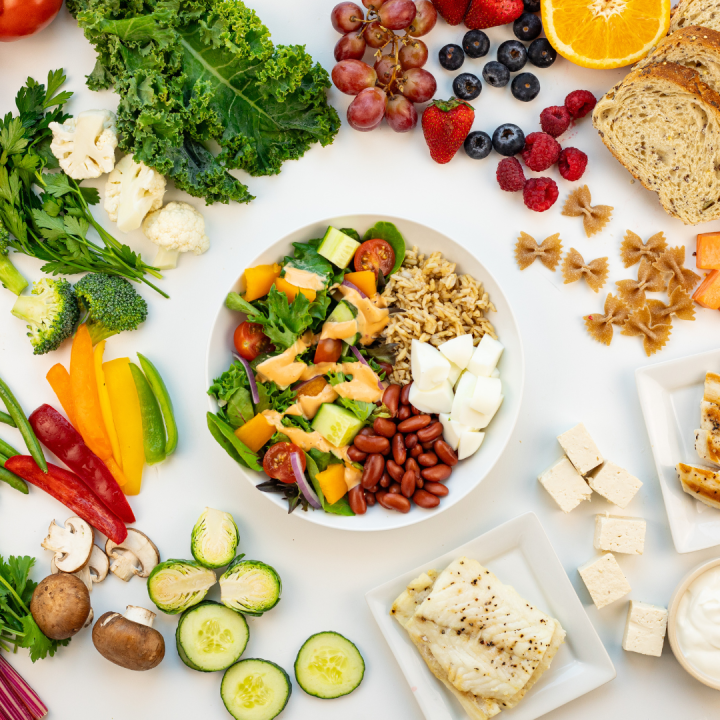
{"x":354,"y":234}
{"x":237,"y":450}
{"x":306,"y":257}
{"x":317,"y":462}
{"x":390,"y":234}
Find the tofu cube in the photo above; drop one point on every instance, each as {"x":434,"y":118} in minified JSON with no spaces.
{"x":580,"y":449}
{"x":614,"y":533}
{"x":470,"y":442}
{"x":458,"y":350}
{"x":437,"y":400}
{"x":486,"y":357}
{"x":614,"y":484}
{"x":565,"y":485}
{"x":486,"y":397}
{"x":645,"y":629}
{"x":604,"y":580}
{"x":428,"y":365}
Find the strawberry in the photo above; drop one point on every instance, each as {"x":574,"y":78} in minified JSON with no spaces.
{"x":453,"y":11}
{"x":445,"y":124}
{"x":490,"y":13}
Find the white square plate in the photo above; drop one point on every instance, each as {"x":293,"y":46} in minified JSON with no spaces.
{"x":670,"y":396}
{"x":520,"y":554}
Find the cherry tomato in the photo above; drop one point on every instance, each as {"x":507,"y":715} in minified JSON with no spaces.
{"x":375,"y":255}
{"x":276,"y":462}
{"x":20,"y":18}
{"x":250,"y":340}
{"x":387,"y":367}
{"x":328,"y":351}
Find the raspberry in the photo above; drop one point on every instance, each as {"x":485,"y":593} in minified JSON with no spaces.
{"x":572,"y":163}
{"x":541,"y":151}
{"x":540,"y":194}
{"x":510,"y":175}
{"x":555,"y":120}
{"x":579,"y":103}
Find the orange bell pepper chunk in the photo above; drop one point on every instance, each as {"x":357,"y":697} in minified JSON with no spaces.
{"x":332,"y":482}
{"x":59,"y":380}
{"x":259,"y":280}
{"x":256,"y":432}
{"x":292,"y":290}
{"x":363,"y":280}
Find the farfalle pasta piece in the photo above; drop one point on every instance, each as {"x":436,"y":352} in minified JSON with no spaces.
{"x":650,"y":279}
{"x":595,"y":272}
{"x":600,"y":327}
{"x":681,"y":305}
{"x":654,"y":336}
{"x":595,"y":218}
{"x":549,"y":251}
{"x":633,"y":249}
{"x":671,"y":264}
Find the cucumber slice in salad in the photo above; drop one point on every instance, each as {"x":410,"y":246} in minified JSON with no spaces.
{"x":255,"y":689}
{"x":336,"y":424}
{"x":211,"y":637}
{"x":329,"y":666}
{"x":338,"y":247}
{"x":344,"y":312}
{"x":250,"y":586}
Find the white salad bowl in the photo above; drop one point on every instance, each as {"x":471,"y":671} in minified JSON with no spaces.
{"x":468,"y":473}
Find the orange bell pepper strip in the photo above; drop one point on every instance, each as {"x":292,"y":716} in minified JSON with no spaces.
{"x":59,"y":379}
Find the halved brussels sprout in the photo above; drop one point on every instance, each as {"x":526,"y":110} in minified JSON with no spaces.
{"x":176,"y":585}
{"x":250,"y":586}
{"x":215,"y":538}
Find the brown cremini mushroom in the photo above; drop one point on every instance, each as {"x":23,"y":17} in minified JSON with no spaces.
{"x":94,"y":571}
{"x":136,"y":555}
{"x":71,"y":544}
{"x":60,"y":605}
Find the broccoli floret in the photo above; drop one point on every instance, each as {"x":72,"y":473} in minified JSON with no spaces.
{"x":111,"y":304}
{"x":9,"y":275}
{"x":52,"y":313}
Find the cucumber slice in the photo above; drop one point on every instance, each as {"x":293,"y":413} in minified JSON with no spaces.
{"x":344,"y":312}
{"x":329,"y":666}
{"x":250,"y":586}
{"x":336,"y":424}
{"x":255,"y":689}
{"x":338,"y":247}
{"x":211,"y":637}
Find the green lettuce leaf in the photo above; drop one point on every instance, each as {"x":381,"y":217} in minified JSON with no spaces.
{"x":317,"y":461}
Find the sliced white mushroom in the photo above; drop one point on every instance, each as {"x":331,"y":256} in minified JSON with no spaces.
{"x":136,"y":555}
{"x":71,"y":544}
{"x":95,"y":569}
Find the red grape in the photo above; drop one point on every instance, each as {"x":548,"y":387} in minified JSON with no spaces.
{"x":424,"y":20}
{"x":397,"y":14}
{"x":366,"y":111}
{"x":418,"y":85}
{"x":400,"y":114}
{"x":350,"y":47}
{"x":346,"y":17}
{"x":384,"y":68}
{"x":352,"y":76}
{"x":376,"y":36}
{"x":373,"y":4}
{"x":413,"y":55}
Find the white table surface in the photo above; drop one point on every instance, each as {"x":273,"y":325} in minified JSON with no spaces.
{"x":326,"y":573}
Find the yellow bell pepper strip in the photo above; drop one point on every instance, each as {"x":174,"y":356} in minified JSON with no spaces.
{"x":105,"y":408}
{"x":255,"y":432}
{"x":292,"y":290}
{"x":21,"y":421}
{"x":332,"y":482}
{"x":163,"y":397}
{"x":59,"y":379}
{"x":259,"y":280}
{"x":125,"y":407}
{"x":154,"y":437}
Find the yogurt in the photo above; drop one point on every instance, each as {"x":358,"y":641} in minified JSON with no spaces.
{"x":698,"y":623}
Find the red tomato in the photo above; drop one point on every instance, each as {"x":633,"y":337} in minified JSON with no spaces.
{"x":375,"y":255}
{"x":276,"y":462}
{"x":328,"y":351}
{"x":250,"y":340}
{"x":19,"y":18}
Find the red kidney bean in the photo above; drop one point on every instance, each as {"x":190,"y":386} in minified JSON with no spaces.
{"x":411,"y":464}
{"x":419,"y":481}
{"x":427,"y":459}
{"x":405,"y":394}
{"x":356,"y":498}
{"x":425,"y":499}
{"x":416,"y":451}
{"x":414,"y":424}
{"x":397,"y":502}
{"x":367,"y":430}
{"x":427,"y":446}
{"x":384,"y":427}
{"x":411,"y":441}
{"x":404,"y":412}
{"x":394,"y":489}
{"x":436,"y":488}
{"x":437,"y":473}
{"x":398,"y":449}
{"x":385,"y":480}
{"x":369,"y":498}
{"x":407,"y":486}
{"x":374,"y":444}
{"x":355,"y":454}
{"x":431,"y":432}
{"x":445,"y":453}
{"x":394,"y":470}
{"x":391,"y":399}
{"x":373,"y":470}
{"x":415,"y":411}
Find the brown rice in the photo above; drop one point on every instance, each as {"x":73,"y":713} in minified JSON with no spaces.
{"x":438,"y":305}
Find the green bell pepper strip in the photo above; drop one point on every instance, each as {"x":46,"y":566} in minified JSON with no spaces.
{"x":11,"y":478}
{"x":7,"y":450}
{"x":163,"y":397}
{"x":18,"y":416}
{"x":5,"y":418}
{"x":154,"y":438}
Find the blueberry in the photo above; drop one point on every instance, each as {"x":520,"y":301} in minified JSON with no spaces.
{"x":476,"y":43}
{"x":541,"y":53}
{"x":525,"y":87}
{"x":508,"y":139}
{"x":496,"y":74}
{"x":478,"y":145}
{"x":467,"y":86}
{"x":532,"y":5}
{"x":451,"y":57}
{"x":527,"y":26}
{"x":512,"y":54}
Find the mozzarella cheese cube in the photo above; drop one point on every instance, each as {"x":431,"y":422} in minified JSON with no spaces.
{"x":487,"y":394}
{"x":429,"y":367}
{"x":470,"y":442}
{"x":580,"y":449}
{"x":462,"y":412}
{"x":619,"y":534}
{"x":451,"y":430}
{"x":455,"y":372}
{"x":565,"y":485}
{"x":485,"y":357}
{"x":614,"y":484}
{"x":604,"y":580}
{"x":458,"y":350}
{"x":437,"y":400}
{"x":645,"y":629}
{"x":495,"y":373}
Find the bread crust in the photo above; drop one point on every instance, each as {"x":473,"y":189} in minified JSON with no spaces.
{"x":680,"y":12}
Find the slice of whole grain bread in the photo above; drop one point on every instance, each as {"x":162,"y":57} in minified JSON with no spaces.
{"x":695,"y":12}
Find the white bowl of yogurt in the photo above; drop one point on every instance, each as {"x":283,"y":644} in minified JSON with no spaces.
{"x":694,"y":623}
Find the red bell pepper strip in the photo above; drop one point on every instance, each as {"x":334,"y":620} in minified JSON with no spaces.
{"x":72,"y":492}
{"x":61,"y":438}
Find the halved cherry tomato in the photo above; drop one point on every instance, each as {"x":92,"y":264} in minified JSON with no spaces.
{"x":328,"y":351}
{"x":375,"y":255}
{"x":20,"y":18}
{"x":276,"y":462}
{"x":250,"y":340}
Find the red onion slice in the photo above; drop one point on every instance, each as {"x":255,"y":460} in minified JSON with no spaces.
{"x":251,"y":378}
{"x":19,"y":689}
{"x":359,"y":356}
{"x":302,"y":482}
{"x":354,"y":287}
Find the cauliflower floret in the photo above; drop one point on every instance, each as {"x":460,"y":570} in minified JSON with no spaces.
{"x":131,"y":192}
{"x":177,"y":228}
{"x":85,"y":145}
